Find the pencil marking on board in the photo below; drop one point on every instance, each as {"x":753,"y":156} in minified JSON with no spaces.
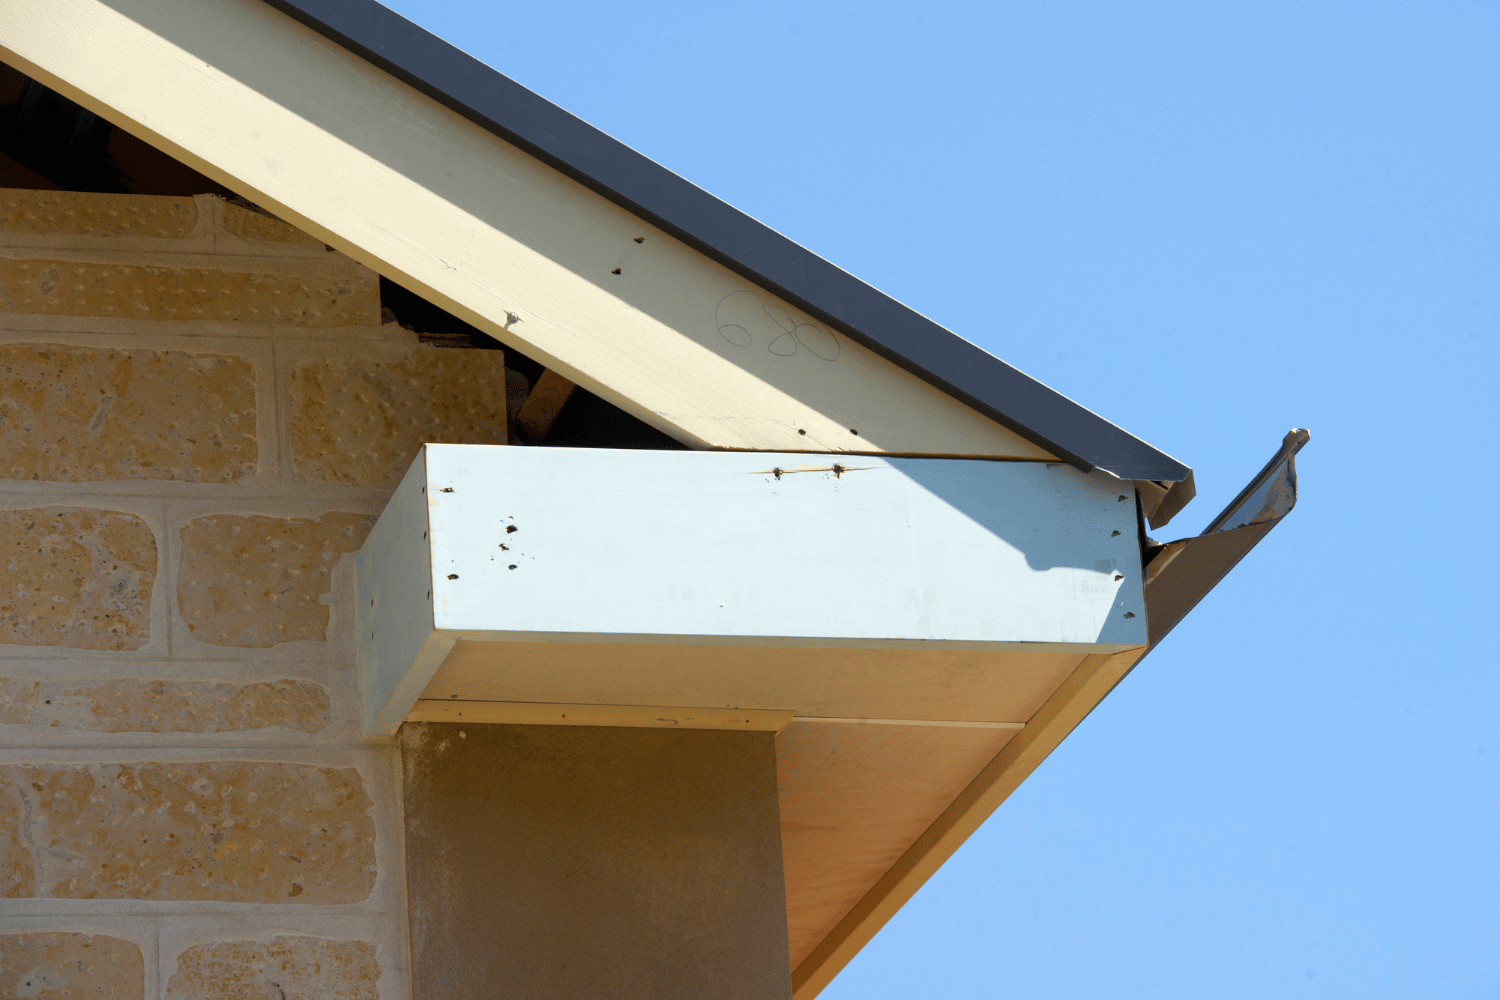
{"x":745,"y":320}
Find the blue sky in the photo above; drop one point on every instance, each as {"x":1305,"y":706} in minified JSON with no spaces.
{"x":1209,"y":223}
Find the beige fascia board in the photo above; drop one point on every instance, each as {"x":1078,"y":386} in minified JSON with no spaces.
{"x":413,"y":190}
{"x":1094,"y":678}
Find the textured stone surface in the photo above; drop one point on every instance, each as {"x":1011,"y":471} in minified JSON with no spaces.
{"x":249,"y":225}
{"x":287,"y":968}
{"x":237,"y":831}
{"x":72,"y":414}
{"x":133,"y":705}
{"x":75,"y":577}
{"x":67,"y":966}
{"x":17,"y":869}
{"x":279,"y":295}
{"x":255,"y":581}
{"x":361,"y":422}
{"x":17,"y":699}
{"x":89,"y":214}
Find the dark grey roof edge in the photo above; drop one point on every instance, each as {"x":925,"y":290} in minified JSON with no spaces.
{"x":729,"y":236}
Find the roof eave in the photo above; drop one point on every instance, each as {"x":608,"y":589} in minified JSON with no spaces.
{"x":718,"y":230}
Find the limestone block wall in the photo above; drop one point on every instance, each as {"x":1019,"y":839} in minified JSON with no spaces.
{"x":201,"y":414}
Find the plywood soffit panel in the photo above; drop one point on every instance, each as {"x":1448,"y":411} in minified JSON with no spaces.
{"x":1177,"y":576}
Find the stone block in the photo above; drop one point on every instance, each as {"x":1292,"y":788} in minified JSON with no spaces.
{"x":360,"y":422}
{"x":134,"y":705}
{"x":79,"y":213}
{"x":253,"y":581}
{"x":288,"y":967}
{"x":283,"y":294}
{"x":246,"y":224}
{"x":17,"y":699}
{"x":76,"y":577}
{"x":60,"y":965}
{"x":17,"y":869}
{"x":231,"y":831}
{"x":73,"y":414}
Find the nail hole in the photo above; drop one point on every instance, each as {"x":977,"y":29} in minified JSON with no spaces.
{"x":1122,"y":498}
{"x":511,"y":529}
{"x":449,"y":489}
{"x":640,"y":239}
{"x":1130,"y":614}
{"x":1113,"y":534}
{"x":801,"y":432}
{"x":776,"y":473}
{"x":615,"y":271}
{"x":1118,"y":578}
{"x":854,"y":432}
{"x":511,"y":566}
{"x":453,"y":576}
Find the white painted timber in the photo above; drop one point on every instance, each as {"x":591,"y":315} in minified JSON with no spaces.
{"x":580,"y":546}
{"x":373,"y":167}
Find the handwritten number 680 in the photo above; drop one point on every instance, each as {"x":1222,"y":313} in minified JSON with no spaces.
{"x":745,"y":320}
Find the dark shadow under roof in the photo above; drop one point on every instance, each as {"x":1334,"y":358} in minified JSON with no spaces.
{"x":729,"y":236}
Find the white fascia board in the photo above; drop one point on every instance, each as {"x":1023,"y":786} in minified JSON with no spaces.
{"x":399,"y":647}
{"x":412,"y":189}
{"x":749,"y":549}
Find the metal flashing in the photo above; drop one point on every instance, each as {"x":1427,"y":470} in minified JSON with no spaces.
{"x":755,"y":251}
{"x":1181,"y":573}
